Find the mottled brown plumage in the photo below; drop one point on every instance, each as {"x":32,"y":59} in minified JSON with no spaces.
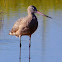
{"x":26,"y":25}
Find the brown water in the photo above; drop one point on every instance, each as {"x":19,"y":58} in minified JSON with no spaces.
{"x":46,"y":42}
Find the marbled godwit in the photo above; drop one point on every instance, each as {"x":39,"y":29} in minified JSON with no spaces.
{"x":26,"y":25}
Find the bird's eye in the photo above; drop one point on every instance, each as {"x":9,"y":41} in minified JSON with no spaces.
{"x":33,"y":8}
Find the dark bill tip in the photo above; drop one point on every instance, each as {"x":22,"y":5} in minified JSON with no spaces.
{"x":48,"y":16}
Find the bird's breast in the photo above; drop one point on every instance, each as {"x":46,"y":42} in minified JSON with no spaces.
{"x":33,"y":24}
{"x":30,"y":26}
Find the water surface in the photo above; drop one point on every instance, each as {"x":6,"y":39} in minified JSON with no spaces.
{"x":46,"y":42}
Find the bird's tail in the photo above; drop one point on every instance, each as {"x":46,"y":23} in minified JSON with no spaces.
{"x":10,"y":33}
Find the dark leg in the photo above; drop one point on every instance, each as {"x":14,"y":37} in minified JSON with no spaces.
{"x":30,"y":41}
{"x":20,"y":56}
{"x":20,"y":41}
{"x":29,"y":47}
{"x":20,"y":49}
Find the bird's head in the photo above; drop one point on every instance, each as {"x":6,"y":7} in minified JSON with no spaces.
{"x":33,"y":9}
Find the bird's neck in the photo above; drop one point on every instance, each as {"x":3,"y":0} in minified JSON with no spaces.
{"x":30,"y":14}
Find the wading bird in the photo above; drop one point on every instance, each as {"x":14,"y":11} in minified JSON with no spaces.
{"x":26,"y":25}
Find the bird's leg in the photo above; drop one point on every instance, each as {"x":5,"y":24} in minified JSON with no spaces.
{"x":20,"y":47}
{"x":30,"y":41}
{"x":20,"y":55}
{"x":29,"y":47}
{"x":20,"y":40}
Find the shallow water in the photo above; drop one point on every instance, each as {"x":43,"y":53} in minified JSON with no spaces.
{"x":46,"y":42}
